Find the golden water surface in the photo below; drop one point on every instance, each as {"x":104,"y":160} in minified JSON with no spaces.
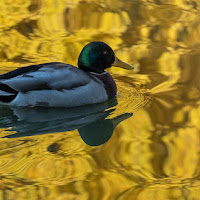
{"x":154,"y":151}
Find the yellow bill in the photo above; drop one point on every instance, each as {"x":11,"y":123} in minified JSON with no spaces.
{"x":121,"y":64}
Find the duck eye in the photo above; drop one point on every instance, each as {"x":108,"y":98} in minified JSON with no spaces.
{"x":105,"y":53}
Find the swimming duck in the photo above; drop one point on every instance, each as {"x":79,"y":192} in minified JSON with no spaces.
{"x":58,"y":84}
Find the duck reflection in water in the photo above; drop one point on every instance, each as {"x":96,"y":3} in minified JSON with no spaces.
{"x":91,"y":121}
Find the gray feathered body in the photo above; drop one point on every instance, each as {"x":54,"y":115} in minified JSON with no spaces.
{"x":55,"y":85}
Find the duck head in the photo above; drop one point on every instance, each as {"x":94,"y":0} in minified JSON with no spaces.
{"x":97,"y":56}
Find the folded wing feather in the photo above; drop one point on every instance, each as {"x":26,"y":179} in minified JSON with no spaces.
{"x":66,"y":77}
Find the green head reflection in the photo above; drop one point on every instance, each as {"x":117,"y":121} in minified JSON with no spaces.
{"x":101,"y":130}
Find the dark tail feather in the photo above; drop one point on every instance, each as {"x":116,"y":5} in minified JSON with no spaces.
{"x":7,"y":94}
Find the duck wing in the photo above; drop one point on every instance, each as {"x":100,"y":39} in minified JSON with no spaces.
{"x":52,"y":76}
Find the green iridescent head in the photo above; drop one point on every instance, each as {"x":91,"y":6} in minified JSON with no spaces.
{"x":97,"y":56}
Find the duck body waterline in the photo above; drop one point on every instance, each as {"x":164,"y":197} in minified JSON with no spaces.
{"x":62,"y":85}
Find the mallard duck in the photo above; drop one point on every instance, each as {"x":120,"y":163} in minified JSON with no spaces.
{"x":58,"y":84}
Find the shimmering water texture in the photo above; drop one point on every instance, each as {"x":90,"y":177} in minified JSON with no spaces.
{"x":145,"y":143}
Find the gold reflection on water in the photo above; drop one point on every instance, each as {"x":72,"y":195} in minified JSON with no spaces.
{"x":152,"y":155}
